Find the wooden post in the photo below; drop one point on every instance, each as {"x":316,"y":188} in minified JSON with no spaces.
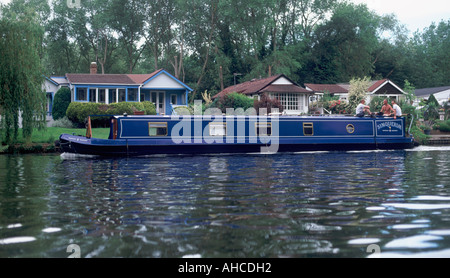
{"x":221,"y":79}
{"x":88,"y":128}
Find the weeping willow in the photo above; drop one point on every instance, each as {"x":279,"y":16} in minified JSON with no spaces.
{"x":21,"y":95}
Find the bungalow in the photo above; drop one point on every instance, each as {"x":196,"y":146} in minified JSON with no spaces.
{"x":295,"y":99}
{"x":442,"y":94}
{"x":384,"y":87}
{"x":159,"y":87}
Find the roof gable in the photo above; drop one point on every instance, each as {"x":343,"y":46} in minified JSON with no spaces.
{"x":163,"y":80}
{"x":385,"y":86}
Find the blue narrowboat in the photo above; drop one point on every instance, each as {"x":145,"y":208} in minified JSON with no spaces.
{"x":135,"y":135}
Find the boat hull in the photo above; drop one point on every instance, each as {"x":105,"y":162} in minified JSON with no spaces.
{"x":82,"y":145}
{"x":148,"y":135}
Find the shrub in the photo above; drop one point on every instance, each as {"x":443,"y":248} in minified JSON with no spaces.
{"x":376,"y":103}
{"x":234,"y":100}
{"x":61,"y":103}
{"x":184,"y":110}
{"x":268,"y":103}
{"x":442,"y":126}
{"x":78,"y":112}
{"x":357,"y":91}
{"x":63,"y":122}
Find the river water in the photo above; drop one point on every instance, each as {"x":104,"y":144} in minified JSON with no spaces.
{"x":319,"y":204}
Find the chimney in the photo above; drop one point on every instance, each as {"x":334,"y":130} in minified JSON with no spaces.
{"x":93,"y":68}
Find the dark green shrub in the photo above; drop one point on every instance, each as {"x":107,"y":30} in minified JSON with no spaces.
{"x":234,"y":100}
{"x":442,"y":126}
{"x":61,"y":103}
{"x":268,"y":103}
{"x":78,"y":112}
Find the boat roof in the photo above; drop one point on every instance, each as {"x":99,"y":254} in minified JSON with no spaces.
{"x":177,"y":117}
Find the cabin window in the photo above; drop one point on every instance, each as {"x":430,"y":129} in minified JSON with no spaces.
{"x":217,"y":129}
{"x":157,"y":129}
{"x":308,"y":129}
{"x":263,"y":129}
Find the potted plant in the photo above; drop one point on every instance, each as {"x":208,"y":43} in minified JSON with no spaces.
{"x":426,"y":127}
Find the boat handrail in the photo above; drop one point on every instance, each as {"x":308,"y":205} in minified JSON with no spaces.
{"x":410,"y":124}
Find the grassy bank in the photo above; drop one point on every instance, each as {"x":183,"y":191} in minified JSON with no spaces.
{"x":43,"y":141}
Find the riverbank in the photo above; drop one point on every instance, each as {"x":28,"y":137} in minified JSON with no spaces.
{"x":46,"y":141}
{"x":37,"y":148}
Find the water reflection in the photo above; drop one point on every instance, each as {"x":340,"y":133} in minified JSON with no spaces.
{"x":285,"y":205}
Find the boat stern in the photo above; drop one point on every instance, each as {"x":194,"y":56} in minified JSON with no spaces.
{"x":69,"y":142}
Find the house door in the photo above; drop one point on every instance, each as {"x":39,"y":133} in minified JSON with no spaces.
{"x":158,"y":99}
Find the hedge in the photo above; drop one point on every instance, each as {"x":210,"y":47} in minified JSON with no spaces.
{"x":78,"y":112}
{"x":61,"y":103}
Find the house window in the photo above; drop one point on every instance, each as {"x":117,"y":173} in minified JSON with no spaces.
{"x":173,"y":99}
{"x":217,"y":129}
{"x":157,"y":129}
{"x":288,"y":100}
{"x":92,"y":95}
{"x":263,"y":129}
{"x":122,"y":95}
{"x":132,"y":94}
{"x":101,"y":95}
{"x":81,"y":94}
{"x":308,"y":129}
{"x":112,"y":96}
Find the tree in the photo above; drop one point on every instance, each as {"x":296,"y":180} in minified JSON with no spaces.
{"x":21,"y":76}
{"x":431,"y":53}
{"x":344,"y":45}
{"x":357,"y":91}
{"x":61,"y":103}
{"x":126,"y":17}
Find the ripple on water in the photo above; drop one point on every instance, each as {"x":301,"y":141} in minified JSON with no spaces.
{"x":14,"y":240}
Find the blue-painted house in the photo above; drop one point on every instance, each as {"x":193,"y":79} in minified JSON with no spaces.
{"x":159,"y":87}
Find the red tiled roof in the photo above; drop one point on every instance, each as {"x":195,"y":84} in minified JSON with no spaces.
{"x":262,"y":85}
{"x":330,"y":88}
{"x":117,"y":79}
{"x":141,"y":78}
{"x":285,"y":89}
{"x":376,"y":84}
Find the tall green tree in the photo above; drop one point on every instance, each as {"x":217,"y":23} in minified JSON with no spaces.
{"x":430,"y":54}
{"x":126,"y":17}
{"x":21,"y":93}
{"x":344,"y":46}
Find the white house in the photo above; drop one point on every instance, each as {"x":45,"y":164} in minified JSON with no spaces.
{"x":442,"y":94}
{"x":294,"y":98}
{"x":383,"y":87}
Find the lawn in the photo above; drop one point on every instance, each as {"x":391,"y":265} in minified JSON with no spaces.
{"x":51,"y":134}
